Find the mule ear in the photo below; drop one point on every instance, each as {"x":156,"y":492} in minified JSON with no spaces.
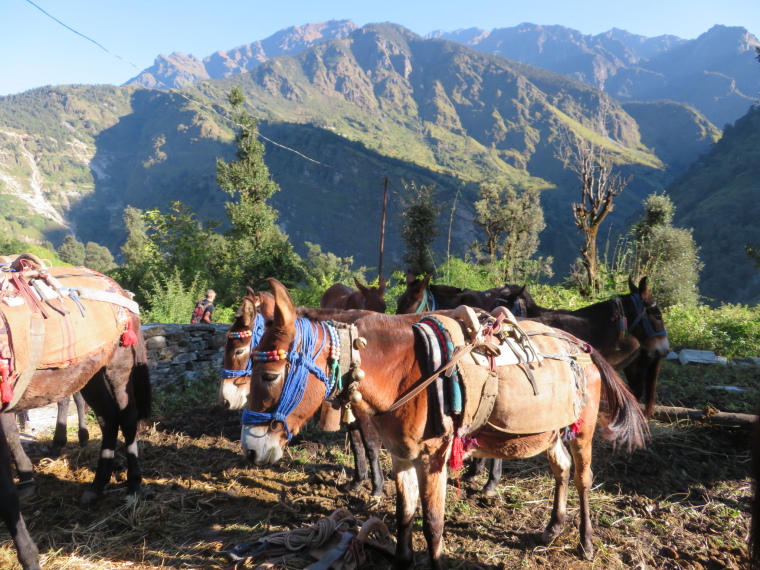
{"x":251,"y":294}
{"x":284,"y":309}
{"x":410,"y":277}
{"x":632,"y":286}
{"x":381,"y":285}
{"x":359,"y":286}
{"x":643,"y":289}
{"x":426,"y":280}
{"x":247,"y":312}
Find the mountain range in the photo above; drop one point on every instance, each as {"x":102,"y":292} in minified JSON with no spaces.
{"x":360,"y":104}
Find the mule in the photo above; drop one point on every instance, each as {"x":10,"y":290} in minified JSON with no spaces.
{"x":288,"y":386}
{"x":10,"y":511}
{"x":242,"y":338}
{"x":420,"y":296}
{"x":60,"y":436}
{"x":627,"y":331}
{"x":365,"y":298}
{"x":111,"y":372}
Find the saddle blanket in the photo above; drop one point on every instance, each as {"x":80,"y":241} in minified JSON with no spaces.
{"x":76,"y":311}
{"x":532,"y":382}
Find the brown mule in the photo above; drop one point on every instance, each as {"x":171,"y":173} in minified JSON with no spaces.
{"x":365,"y":298}
{"x":392,"y":361}
{"x":420,"y":296}
{"x":243,"y":337}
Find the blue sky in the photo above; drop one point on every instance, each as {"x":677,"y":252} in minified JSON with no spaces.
{"x":38,"y":51}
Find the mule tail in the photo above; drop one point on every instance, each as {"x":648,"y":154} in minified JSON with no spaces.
{"x":140,"y":375}
{"x":626,"y":424}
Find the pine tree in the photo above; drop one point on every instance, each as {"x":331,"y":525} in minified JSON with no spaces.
{"x":419,"y":227}
{"x":71,"y":251}
{"x":260,"y":248}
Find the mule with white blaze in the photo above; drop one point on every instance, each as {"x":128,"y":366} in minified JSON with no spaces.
{"x":392,"y":385}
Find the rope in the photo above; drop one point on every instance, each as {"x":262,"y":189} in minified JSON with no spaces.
{"x":313,"y":536}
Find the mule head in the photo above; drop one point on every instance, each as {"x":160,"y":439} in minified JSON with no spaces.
{"x":373,"y":296}
{"x":233,"y":391}
{"x":646,"y":322}
{"x":264,"y":439}
{"x":414,"y":294}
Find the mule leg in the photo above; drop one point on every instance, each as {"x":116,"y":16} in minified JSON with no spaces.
{"x":360,"y":458}
{"x":431,"y":475}
{"x":24,"y":467}
{"x":560,"y":462}
{"x":59,"y":436}
{"x":583,"y":478}
{"x":99,"y":398}
{"x":476,"y":468}
{"x":407,"y":493}
{"x":10,"y":509}
{"x":372,"y":445}
{"x":83,"y":434}
{"x":489,"y":490}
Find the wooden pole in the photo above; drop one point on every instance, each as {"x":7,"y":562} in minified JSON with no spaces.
{"x":382,"y":230}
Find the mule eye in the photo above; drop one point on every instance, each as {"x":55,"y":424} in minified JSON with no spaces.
{"x":269,"y":376}
{"x":240,"y":351}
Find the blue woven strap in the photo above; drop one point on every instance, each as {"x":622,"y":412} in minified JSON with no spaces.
{"x":302,"y":363}
{"x":257,"y":333}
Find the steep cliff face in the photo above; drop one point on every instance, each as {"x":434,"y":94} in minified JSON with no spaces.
{"x":714,"y":72}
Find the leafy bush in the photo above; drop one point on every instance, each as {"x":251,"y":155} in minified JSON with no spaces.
{"x":169,"y":300}
{"x":729,"y":330}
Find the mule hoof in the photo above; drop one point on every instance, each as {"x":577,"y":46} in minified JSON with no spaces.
{"x":26,"y":488}
{"x":353,"y":485}
{"x":587,"y":551}
{"x":87,"y":498}
{"x":84,"y":437}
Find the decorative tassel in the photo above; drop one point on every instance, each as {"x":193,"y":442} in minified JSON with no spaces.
{"x":571,"y":432}
{"x":6,"y":392}
{"x":129,"y":338}
{"x":459,"y":448}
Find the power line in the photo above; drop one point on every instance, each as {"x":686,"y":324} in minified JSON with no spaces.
{"x":172,"y":90}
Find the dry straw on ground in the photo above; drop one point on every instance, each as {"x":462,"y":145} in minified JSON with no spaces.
{"x":682,"y":503}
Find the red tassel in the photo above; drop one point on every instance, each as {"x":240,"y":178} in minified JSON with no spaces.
{"x":6,"y":392}
{"x":129,"y":338}
{"x":456,"y":461}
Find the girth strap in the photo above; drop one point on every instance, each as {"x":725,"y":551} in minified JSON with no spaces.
{"x":36,"y":345}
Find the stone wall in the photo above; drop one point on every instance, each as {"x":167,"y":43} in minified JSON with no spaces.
{"x":184,"y":352}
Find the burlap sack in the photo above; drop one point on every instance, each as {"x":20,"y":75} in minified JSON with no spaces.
{"x":517,"y":409}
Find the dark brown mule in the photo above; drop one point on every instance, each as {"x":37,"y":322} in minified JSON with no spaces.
{"x":285,"y":393}
{"x":10,"y":511}
{"x":420,"y":296}
{"x":112,"y":374}
{"x":60,"y":437}
{"x":243,"y":337}
{"x":365,"y":298}
{"x":627,"y":331}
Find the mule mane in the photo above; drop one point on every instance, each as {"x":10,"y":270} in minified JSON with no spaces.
{"x":446,"y":289}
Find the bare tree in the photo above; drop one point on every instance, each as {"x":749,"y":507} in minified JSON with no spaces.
{"x":599,"y":187}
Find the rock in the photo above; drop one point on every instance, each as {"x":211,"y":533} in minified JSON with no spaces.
{"x":689,"y":356}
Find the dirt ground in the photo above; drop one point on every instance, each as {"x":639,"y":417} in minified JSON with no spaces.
{"x":681,"y":503}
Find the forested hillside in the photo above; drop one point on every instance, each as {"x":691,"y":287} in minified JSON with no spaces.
{"x":718,"y":197}
{"x":342,"y":115}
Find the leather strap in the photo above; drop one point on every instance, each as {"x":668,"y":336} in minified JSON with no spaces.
{"x":460,"y":353}
{"x":36,"y":344}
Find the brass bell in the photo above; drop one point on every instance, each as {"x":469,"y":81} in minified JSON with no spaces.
{"x":360,"y":342}
{"x":355,"y":396}
{"x":348,"y":415}
{"x":357,"y":374}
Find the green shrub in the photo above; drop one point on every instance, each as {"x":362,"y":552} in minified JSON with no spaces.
{"x":729,"y":330}
{"x":169,"y":300}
